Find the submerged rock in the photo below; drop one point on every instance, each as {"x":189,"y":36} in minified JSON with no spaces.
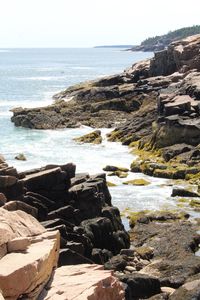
{"x":20,"y":156}
{"x":137,"y":182}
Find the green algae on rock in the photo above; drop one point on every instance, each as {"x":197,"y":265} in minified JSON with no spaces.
{"x":139,"y":182}
{"x":92,"y":137}
{"x":109,"y":168}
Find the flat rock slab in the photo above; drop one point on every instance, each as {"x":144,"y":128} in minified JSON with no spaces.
{"x":83,"y":282}
{"x":25,"y":273}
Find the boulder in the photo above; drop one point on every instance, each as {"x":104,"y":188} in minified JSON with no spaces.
{"x":30,"y":269}
{"x":17,"y":224}
{"x":31,"y":255}
{"x":116,"y":263}
{"x":188,"y":291}
{"x":93,"y":137}
{"x":140,"y":285}
{"x":83,"y":282}
{"x":182,"y":192}
{"x":20,"y":156}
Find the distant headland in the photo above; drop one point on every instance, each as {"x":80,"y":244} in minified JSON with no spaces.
{"x":115,"y":46}
{"x":160,"y":42}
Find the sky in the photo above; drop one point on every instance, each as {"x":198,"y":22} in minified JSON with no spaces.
{"x":87,"y":23}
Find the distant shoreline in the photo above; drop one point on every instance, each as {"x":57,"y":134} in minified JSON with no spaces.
{"x":116,"y":46}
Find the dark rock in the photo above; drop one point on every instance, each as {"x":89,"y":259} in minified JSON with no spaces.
{"x":57,"y":222}
{"x":7,"y":181}
{"x":181,"y":192}
{"x":174,"y":260}
{"x":141,"y":285}
{"x":100,"y":256}
{"x":19,"y":205}
{"x":189,"y":291}
{"x":69,"y":257}
{"x":41,"y":199}
{"x":102,"y":235}
{"x":3,"y":199}
{"x":65,"y":213}
{"x":14,"y":192}
{"x":174,"y":150}
{"x":79,"y":178}
{"x":76,"y":247}
{"x":116,"y":263}
{"x":44,"y":179}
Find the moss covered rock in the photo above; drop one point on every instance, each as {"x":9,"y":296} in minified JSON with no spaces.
{"x":93,"y":137}
{"x":20,"y":156}
{"x":119,"y":174}
{"x":139,"y":182}
{"x":109,"y":168}
{"x":110,"y":184}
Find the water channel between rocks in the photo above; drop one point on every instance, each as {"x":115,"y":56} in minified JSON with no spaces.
{"x":43,"y":147}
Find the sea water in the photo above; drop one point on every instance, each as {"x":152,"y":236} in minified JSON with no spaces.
{"x":29,"y":78}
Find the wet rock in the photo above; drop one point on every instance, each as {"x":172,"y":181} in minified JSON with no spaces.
{"x":181,"y":192}
{"x":93,"y":137}
{"x":139,"y":182}
{"x":20,"y":156}
{"x":109,"y":168}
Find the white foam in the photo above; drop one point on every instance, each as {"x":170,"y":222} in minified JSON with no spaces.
{"x":41,"y":78}
{"x":81,"y":68}
{"x":4,"y":50}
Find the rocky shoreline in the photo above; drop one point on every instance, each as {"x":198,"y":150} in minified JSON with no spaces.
{"x":56,"y":224}
{"x":157,"y":105}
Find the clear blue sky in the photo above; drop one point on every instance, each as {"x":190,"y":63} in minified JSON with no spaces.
{"x":86,"y":23}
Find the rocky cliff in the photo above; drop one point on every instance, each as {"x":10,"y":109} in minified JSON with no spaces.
{"x":78,"y":225}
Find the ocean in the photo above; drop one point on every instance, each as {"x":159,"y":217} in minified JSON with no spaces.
{"x":29,"y":78}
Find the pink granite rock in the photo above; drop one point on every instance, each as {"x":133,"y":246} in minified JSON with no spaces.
{"x":17,"y":224}
{"x":81,"y":282}
{"x":24,"y":272}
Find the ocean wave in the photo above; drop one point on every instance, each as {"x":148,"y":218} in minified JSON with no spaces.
{"x":81,"y":68}
{"x":4,"y":50}
{"x":5,"y":113}
{"x":42,"y":78}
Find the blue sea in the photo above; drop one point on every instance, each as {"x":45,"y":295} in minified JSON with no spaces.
{"x":29,"y":78}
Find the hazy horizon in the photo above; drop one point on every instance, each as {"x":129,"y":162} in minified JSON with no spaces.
{"x":90,"y":23}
